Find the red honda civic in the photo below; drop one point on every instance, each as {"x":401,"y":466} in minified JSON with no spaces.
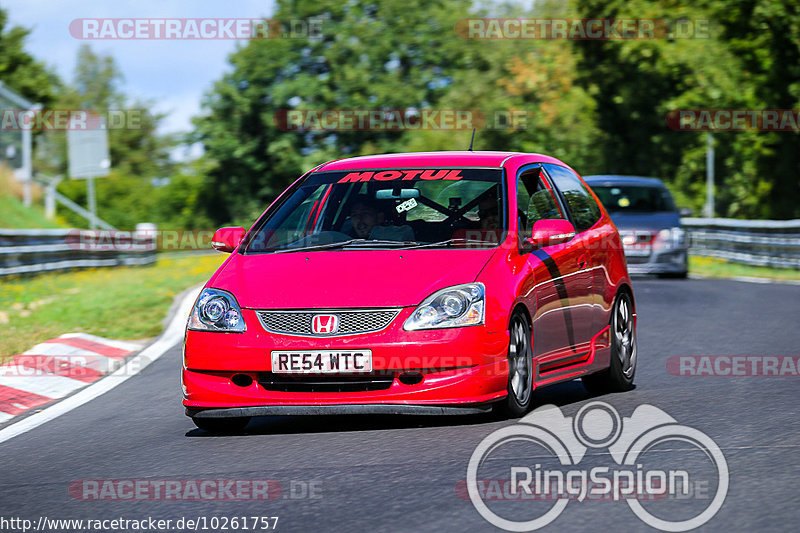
{"x":420,"y":283}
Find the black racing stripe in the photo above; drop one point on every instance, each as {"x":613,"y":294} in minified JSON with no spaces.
{"x":561,"y":289}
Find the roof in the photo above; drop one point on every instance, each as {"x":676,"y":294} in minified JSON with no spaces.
{"x":430,"y":159}
{"x":613,"y":179}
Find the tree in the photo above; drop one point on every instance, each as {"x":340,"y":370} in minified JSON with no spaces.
{"x":19,"y":70}
{"x":601,"y":106}
{"x":765,"y":36}
{"x":381,"y":55}
{"x":749,"y":61}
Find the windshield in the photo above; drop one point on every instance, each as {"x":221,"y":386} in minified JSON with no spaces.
{"x":388,"y":209}
{"x":634,"y":198}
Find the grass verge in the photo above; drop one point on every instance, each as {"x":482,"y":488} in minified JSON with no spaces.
{"x":14,"y":215}
{"x":118,"y":303}
{"x":711,"y":267}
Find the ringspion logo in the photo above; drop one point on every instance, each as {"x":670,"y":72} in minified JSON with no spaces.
{"x":566,"y":463}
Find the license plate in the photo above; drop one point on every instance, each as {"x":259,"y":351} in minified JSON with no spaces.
{"x":637,"y":251}
{"x":321,"y":361}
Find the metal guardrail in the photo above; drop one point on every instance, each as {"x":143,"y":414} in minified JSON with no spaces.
{"x":774,"y":243}
{"x":46,"y":250}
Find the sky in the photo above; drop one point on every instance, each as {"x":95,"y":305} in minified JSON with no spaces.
{"x":172,"y":73}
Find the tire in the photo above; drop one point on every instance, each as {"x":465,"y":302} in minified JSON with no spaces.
{"x":674,"y":275}
{"x":520,"y":369}
{"x":618,"y":377}
{"x":222,"y":425}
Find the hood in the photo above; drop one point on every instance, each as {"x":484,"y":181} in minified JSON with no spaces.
{"x":645,"y":221}
{"x":374,"y":278}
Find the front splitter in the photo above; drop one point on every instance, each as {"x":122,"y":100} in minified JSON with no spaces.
{"x":358,"y":409}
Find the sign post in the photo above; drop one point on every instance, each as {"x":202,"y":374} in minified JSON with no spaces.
{"x":15,"y":145}
{"x":709,"y":207}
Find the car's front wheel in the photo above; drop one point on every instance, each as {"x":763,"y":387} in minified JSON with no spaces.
{"x":618,"y":376}
{"x":675,"y":275}
{"x":520,"y":368}
{"x":222,"y":425}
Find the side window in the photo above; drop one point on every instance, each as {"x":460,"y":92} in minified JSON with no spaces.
{"x":534,"y":201}
{"x":585,"y":211}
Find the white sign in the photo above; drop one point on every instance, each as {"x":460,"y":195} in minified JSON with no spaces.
{"x":88,"y":152}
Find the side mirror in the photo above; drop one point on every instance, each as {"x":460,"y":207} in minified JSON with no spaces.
{"x":550,"y":231}
{"x":227,"y":239}
{"x":685,"y":212}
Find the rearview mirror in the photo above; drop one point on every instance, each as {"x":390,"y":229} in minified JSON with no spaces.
{"x":396,"y":194}
{"x":227,"y":239}
{"x":550,"y":231}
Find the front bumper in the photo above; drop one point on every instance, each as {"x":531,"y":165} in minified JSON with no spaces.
{"x":673,"y":261}
{"x":459,"y":367}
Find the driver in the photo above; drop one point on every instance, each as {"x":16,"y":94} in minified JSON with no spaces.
{"x":368,"y":223}
{"x":364,"y":217}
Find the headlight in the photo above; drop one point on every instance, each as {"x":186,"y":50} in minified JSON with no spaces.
{"x":216,"y":310}
{"x":453,"y":307}
{"x":670,"y":238}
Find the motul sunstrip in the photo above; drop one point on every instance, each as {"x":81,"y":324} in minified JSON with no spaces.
{"x":420,"y":283}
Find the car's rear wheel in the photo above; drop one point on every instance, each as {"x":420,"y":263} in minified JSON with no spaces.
{"x":619,"y":375}
{"x":520,"y":368}
{"x":222,"y":425}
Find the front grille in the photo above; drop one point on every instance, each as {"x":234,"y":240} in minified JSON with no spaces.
{"x":336,"y":383}
{"x":351,"y":322}
{"x":637,"y":236}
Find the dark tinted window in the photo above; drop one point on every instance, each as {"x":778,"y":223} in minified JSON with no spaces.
{"x":634,"y":198}
{"x":534,"y":201}
{"x":585,"y":211}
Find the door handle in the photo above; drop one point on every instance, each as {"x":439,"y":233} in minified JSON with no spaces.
{"x":582,"y":260}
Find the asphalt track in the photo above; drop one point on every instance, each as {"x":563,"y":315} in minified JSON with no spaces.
{"x":378,"y":473}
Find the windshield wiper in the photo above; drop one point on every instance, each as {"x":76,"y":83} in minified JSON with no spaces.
{"x":326,"y":246}
{"x":365,"y":243}
{"x":450,"y":242}
{"x":356,"y":243}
